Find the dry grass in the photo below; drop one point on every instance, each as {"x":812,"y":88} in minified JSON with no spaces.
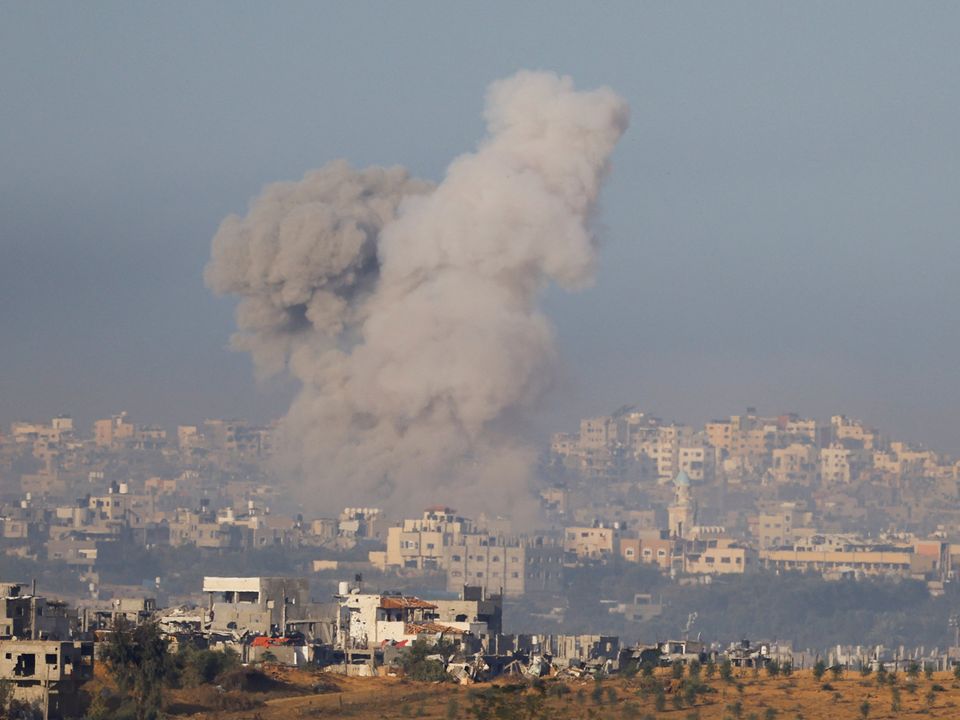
{"x":748,"y":697}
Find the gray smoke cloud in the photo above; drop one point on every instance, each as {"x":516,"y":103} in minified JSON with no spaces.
{"x":409,"y":313}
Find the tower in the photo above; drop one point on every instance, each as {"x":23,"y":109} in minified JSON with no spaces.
{"x":683,"y":512}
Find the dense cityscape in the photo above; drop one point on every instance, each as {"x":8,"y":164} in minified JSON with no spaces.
{"x":356,"y":361}
{"x":643,"y":524}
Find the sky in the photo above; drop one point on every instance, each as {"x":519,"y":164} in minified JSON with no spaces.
{"x":779,"y":226}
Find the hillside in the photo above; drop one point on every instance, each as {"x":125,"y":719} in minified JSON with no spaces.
{"x":746,"y":696}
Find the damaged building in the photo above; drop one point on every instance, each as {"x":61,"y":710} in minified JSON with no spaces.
{"x":267,"y":606}
{"x":47,"y":673}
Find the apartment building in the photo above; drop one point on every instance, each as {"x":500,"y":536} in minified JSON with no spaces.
{"x":796,"y":463}
{"x":591,"y":543}
{"x":720,"y":556}
{"x":509,"y":566}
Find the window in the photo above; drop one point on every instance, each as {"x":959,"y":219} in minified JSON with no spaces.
{"x":50,"y":658}
{"x":455,"y":558}
{"x":725,"y":560}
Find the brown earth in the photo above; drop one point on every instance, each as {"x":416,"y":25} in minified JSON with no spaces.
{"x":793,"y":698}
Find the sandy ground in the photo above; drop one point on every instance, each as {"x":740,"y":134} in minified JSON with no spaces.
{"x":747,"y":697}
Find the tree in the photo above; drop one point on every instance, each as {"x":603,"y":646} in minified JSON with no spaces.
{"x":819,"y":668}
{"x":660,"y":700}
{"x":418,"y":666}
{"x":6,"y":694}
{"x":787,"y":668}
{"x":676,"y":669}
{"x":773,"y":668}
{"x":865,"y":709}
{"x":836,"y":671}
{"x":453,"y":709}
{"x":894,"y":698}
{"x":913,"y":669}
{"x":956,"y":671}
{"x":202,"y":667}
{"x":138,"y":660}
{"x":928,"y":671}
{"x":881,"y":675}
{"x":726,"y":671}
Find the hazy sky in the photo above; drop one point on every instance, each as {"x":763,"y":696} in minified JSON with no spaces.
{"x":780,"y":225}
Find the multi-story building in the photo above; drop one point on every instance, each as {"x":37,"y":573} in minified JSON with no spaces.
{"x":370,"y":620}
{"x":113,"y":430}
{"x":591,"y":543}
{"x":697,"y":460}
{"x":840,"y":465}
{"x":721,"y":556}
{"x":505,"y":566}
{"x":775,"y":529}
{"x":264,"y":606}
{"x":853,"y":432}
{"x":796,"y":463}
{"x":47,"y":673}
{"x":418,"y":543}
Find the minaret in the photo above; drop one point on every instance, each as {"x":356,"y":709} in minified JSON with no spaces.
{"x":683,"y":512}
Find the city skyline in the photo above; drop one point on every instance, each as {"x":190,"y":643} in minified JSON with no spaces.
{"x":776,"y":231}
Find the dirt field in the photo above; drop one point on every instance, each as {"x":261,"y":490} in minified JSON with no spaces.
{"x":746,"y":697}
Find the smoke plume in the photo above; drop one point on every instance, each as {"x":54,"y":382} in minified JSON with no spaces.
{"x":409,"y":313}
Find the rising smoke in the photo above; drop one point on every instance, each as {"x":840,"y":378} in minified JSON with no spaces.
{"x":409,"y":313}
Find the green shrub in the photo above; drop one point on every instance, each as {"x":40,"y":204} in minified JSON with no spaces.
{"x":417,"y":666}
{"x":660,"y":700}
{"x":726,"y":671}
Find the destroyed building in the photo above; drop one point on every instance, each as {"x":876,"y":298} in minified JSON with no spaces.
{"x":268,"y":606}
{"x":28,"y":616}
{"x":47,"y":673}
